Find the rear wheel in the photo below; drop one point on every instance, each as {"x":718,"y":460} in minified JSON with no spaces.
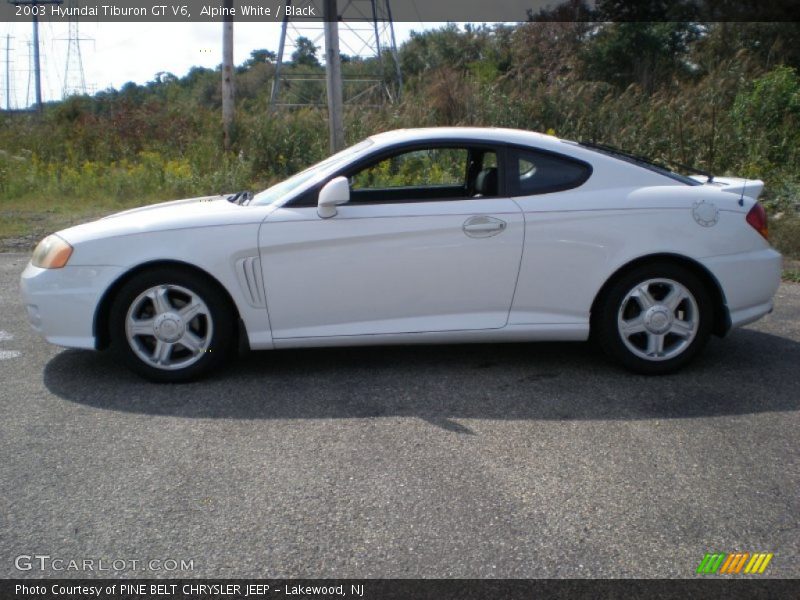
{"x":171,"y":326}
{"x":655,"y":318}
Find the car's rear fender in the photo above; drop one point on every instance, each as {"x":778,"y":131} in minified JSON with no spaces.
{"x":722,"y":321}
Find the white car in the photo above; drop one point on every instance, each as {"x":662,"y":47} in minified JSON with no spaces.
{"x":418,"y":236}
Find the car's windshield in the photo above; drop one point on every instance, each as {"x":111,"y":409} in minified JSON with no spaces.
{"x":279,"y":190}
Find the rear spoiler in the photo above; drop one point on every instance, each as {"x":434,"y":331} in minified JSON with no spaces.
{"x":751,"y":188}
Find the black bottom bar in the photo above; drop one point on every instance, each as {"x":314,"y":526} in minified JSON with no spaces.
{"x":391,"y":589}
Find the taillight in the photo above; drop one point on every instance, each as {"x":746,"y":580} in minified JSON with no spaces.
{"x":757,"y":217}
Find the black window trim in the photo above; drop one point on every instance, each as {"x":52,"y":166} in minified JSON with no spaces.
{"x":308,"y":198}
{"x":647,"y":163}
{"x":512,"y":171}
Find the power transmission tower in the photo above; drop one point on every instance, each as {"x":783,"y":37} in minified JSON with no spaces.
{"x":74,"y":75}
{"x":366,"y":37}
{"x":37,"y":65}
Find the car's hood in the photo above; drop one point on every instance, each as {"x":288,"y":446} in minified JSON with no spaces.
{"x":165,"y":209}
{"x":205,"y":211}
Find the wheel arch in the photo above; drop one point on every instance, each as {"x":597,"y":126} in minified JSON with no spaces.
{"x":722,"y":320}
{"x":100,"y":324}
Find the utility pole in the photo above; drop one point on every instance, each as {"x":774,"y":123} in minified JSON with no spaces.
{"x":227,"y":76}
{"x":333,"y":73}
{"x":8,"y":72}
{"x":37,"y":66}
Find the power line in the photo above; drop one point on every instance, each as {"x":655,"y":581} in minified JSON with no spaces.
{"x":29,"y":43}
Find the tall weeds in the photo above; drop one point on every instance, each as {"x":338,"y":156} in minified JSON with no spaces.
{"x":161,"y":141}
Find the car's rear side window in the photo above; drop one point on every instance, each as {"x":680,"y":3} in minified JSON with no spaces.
{"x":533,"y":172}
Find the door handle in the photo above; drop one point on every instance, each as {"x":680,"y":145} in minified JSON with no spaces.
{"x":479,"y":227}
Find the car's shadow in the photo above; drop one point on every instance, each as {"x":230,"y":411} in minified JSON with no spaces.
{"x":750,"y":372}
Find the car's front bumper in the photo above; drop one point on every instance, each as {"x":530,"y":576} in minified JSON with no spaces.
{"x":61,"y":303}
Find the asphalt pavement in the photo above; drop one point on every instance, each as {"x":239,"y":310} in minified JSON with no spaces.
{"x":517,"y":460}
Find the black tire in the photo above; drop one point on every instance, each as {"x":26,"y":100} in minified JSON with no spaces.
{"x":606,"y":332}
{"x":218,"y":321}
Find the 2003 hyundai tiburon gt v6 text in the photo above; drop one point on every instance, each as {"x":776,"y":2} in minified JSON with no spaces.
{"x":417,"y":236}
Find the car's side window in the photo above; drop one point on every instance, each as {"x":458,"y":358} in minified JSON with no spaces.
{"x":418,"y":168}
{"x":541,"y":172}
{"x":426,"y":174}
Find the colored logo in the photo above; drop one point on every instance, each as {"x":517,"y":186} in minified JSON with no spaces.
{"x":733,"y":564}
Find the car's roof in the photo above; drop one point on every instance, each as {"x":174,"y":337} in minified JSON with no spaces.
{"x":492,"y":134}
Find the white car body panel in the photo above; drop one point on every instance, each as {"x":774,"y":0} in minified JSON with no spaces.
{"x":213,"y":249}
{"x":407,"y":272}
{"x":749,"y":281}
{"x":586,"y":239}
{"x":389,"y":268}
{"x":61,"y":303}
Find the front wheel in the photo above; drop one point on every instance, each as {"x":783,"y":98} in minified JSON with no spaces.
{"x":655,"y":318}
{"x":171,"y":326}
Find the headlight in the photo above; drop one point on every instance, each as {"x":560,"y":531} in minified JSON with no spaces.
{"x":51,"y":253}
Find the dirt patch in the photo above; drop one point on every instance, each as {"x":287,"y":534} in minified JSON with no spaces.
{"x":24,"y":243}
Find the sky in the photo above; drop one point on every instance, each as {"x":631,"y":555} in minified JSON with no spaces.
{"x":115,"y":53}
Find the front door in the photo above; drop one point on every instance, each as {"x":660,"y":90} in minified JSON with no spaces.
{"x":426,"y":244}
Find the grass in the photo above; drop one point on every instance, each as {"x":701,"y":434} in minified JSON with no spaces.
{"x":24,"y":222}
{"x":40,"y":196}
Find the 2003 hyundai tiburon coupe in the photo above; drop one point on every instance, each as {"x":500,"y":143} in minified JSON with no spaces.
{"x":417,"y":236}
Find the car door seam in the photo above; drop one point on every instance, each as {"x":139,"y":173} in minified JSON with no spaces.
{"x":521,"y":256}
{"x":261,"y":260}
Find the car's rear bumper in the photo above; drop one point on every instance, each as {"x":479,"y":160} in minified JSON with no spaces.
{"x":749,"y":281}
{"x":61,"y":303}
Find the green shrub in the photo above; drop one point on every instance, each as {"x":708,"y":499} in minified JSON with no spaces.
{"x":735,"y":112}
{"x":766,"y":117}
{"x":785,"y":235}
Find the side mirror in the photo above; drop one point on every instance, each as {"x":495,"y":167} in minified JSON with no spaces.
{"x":332,"y":194}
